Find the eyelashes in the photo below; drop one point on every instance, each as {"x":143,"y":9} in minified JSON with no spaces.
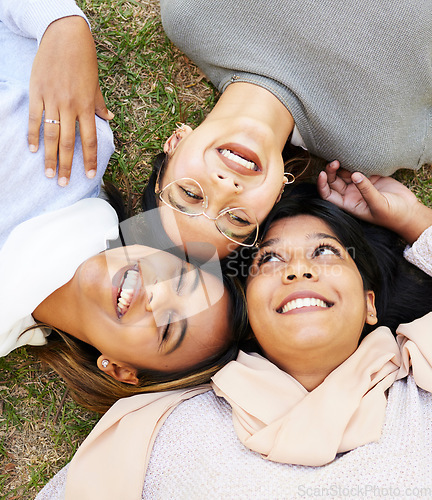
{"x":323,"y":249}
{"x":267,"y":256}
{"x":180,"y":286}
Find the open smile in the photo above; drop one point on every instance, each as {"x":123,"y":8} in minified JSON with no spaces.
{"x":240,"y":159}
{"x":126,"y":285}
{"x":301,"y":300}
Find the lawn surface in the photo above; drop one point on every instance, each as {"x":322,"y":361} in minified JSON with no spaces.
{"x":149,"y":85}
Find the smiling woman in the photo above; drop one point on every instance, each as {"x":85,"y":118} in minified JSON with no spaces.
{"x":326,"y":296}
{"x":304,"y":289}
{"x":264,"y":58}
{"x":137,"y":318}
{"x":236,"y":163}
{"x":142,"y":309}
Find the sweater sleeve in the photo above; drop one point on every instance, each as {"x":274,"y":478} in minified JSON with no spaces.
{"x":30,"y":18}
{"x":420,"y":254}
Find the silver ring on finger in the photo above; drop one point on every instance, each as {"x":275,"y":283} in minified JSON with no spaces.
{"x":55,"y":122}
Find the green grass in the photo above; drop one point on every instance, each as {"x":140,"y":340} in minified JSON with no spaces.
{"x":145,"y":84}
{"x":149,"y":85}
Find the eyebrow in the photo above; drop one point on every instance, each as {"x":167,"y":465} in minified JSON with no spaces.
{"x":184,"y":322}
{"x":315,"y":236}
{"x":323,"y":235}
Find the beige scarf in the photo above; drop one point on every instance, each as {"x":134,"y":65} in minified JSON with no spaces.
{"x":272,"y":413}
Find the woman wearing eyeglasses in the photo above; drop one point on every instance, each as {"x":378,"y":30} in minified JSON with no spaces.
{"x":348,"y":83}
{"x":340,"y":395}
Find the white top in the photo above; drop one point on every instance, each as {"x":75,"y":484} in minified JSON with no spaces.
{"x":40,"y":256}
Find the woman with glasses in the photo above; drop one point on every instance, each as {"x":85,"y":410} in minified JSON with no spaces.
{"x":339,"y":396}
{"x":337,"y":80}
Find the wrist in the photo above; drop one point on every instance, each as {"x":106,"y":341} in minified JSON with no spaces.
{"x":419,"y":220}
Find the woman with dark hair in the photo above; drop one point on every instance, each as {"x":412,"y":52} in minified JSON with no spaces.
{"x":331,"y":405}
{"x":297,"y":72}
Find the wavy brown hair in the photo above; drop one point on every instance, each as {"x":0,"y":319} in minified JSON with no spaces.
{"x":75,"y":362}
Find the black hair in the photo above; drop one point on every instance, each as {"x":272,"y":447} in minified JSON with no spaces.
{"x":403,"y":292}
{"x":149,"y":199}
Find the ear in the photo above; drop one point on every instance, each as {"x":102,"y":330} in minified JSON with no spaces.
{"x":173,"y":141}
{"x":371,"y":316}
{"x":119,"y":371}
{"x":284,"y":183}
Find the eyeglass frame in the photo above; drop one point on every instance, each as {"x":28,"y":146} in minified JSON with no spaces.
{"x":158,"y":192}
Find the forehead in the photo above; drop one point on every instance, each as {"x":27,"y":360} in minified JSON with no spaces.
{"x":298,"y":228}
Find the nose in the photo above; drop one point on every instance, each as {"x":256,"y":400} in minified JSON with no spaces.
{"x":158,"y":296}
{"x":161,"y":298}
{"x":302,"y":271}
{"x":224,"y":190}
{"x":226,"y":182}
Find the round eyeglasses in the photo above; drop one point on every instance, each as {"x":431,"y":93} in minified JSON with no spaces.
{"x":187,"y":197}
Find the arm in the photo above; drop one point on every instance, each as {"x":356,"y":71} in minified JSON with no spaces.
{"x":379,"y":200}
{"x":64,"y":81}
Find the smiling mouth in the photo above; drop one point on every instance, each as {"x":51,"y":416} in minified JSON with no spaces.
{"x":126,"y":291}
{"x":240,"y":160}
{"x":304,"y":302}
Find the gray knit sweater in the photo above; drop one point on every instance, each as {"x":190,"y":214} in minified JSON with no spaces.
{"x":356,"y":75}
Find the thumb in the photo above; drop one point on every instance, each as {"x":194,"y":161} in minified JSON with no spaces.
{"x":370,"y":193}
{"x":100,"y":107}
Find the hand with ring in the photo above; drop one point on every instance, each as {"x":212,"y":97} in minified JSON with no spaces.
{"x":64,"y":88}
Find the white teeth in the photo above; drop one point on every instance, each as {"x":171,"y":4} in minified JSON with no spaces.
{"x":127,"y":291}
{"x":238,"y":159}
{"x":299,"y":303}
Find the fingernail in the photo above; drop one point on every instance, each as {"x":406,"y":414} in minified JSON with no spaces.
{"x":91,"y":173}
{"x":33,"y":148}
{"x":49,"y":172}
{"x":110,"y":115}
{"x":333,"y":163}
{"x":63,"y":182}
{"x":356,"y":177}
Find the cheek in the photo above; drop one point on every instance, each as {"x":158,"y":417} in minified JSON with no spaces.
{"x":185,"y":163}
{"x":261,"y":200}
{"x":259,"y":294}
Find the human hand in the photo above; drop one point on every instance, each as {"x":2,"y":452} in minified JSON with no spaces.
{"x":64,"y":83}
{"x":379,"y":200}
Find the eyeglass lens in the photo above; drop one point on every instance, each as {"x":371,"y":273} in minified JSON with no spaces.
{"x":187,"y":196}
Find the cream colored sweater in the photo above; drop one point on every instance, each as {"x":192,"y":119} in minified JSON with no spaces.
{"x":197,"y":454}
